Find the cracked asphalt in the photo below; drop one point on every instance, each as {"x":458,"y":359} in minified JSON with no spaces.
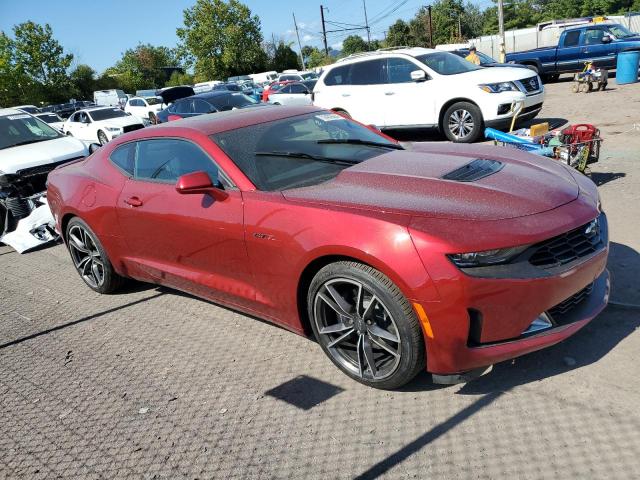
{"x":153,"y":383}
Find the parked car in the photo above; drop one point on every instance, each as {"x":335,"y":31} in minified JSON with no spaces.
{"x":273,"y":87}
{"x":29,"y":150}
{"x":296,"y":93}
{"x":101,"y":124}
{"x":297,"y":76}
{"x":486,"y":60}
{"x":205,"y":86}
{"x":28,"y":109}
{"x":231,"y":87}
{"x":110,"y":98}
{"x":474,"y":254}
{"x":208,"y":102}
{"x":144,"y":108}
{"x":599,"y":43}
{"x":52,"y":119}
{"x":420,"y":87}
{"x":146,"y":93}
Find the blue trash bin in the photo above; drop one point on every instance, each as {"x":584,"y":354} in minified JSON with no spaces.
{"x":627,"y":66}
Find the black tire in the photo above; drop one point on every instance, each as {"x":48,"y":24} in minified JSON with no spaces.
{"x":462,"y":122}
{"x":276,"y":103}
{"x":83,"y":243}
{"x":370,"y":330}
{"x":153,"y":119}
{"x":102,"y":138}
{"x":532,"y":67}
{"x":553,"y":77}
{"x":344,"y":113}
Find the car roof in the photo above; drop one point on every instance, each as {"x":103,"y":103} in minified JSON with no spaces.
{"x":11,"y":111}
{"x":214,"y":93}
{"x":410,"y":51}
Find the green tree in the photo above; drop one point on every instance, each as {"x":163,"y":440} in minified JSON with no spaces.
{"x":399,"y":35}
{"x":353,"y":44}
{"x":284,"y":58}
{"x":141,"y":67}
{"x":14,"y":83}
{"x":318,"y":59}
{"x":178,"y":78}
{"x":83,"y":81}
{"x":221,"y":39}
{"x":41,"y":58}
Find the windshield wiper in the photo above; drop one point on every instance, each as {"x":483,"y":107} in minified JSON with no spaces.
{"x":27,"y":142}
{"x":316,"y":158}
{"x":357,"y":141}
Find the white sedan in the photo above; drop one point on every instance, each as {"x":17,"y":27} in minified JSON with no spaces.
{"x":100,"y":124}
{"x":298,"y":93}
{"x":53,"y":119}
{"x":144,"y":107}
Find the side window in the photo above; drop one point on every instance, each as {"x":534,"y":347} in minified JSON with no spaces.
{"x":298,"y":88}
{"x":75,"y":117}
{"x":337,"y":76}
{"x":285,"y":89}
{"x":123,"y":157}
{"x":133,"y":103}
{"x":399,"y":70}
{"x":182,"y":106}
{"x":370,"y":72}
{"x":593,"y":36}
{"x":166,"y":160}
{"x":572,"y":38}
{"x":200,"y":106}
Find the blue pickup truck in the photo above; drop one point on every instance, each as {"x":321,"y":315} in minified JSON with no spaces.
{"x":599,"y":43}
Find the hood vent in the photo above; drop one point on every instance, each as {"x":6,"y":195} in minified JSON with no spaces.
{"x":474,"y":170}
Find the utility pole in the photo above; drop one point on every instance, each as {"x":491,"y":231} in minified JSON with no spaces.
{"x":366,"y":22}
{"x":324,"y":32}
{"x":430,"y":27}
{"x":501,"y":30}
{"x":299,"y":44}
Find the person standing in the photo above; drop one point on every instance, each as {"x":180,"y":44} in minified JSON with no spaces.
{"x":473,"y":56}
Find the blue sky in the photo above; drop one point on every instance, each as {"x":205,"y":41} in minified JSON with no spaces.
{"x":97,"y":32}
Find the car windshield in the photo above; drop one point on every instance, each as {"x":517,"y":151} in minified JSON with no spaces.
{"x":485,"y":59}
{"x":50,"y":117}
{"x":300,"y":151}
{"x":106,"y":114}
{"x":22,"y":129}
{"x":310,"y":84}
{"x":231,"y":101}
{"x":232,"y":87}
{"x":446,"y":63}
{"x":620,"y":31}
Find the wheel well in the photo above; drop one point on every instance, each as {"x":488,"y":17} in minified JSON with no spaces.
{"x":448,"y":104}
{"x":63,"y":225}
{"x":305,"y":280}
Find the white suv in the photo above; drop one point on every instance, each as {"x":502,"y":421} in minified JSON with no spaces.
{"x":420,"y":87}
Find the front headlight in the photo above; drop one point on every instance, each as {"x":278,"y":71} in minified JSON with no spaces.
{"x":487,"y":257}
{"x":499,"y":87}
{"x":112,"y":129}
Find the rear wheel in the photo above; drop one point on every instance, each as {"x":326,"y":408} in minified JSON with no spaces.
{"x":102,"y":138}
{"x":152,"y":118}
{"x":365,"y":325}
{"x":90,"y":259}
{"x":462,"y":122}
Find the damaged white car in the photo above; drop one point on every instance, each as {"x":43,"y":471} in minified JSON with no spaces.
{"x":29,"y":150}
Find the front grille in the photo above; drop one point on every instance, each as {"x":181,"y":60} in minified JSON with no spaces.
{"x":571,"y":302}
{"x":530,"y":85}
{"x":474,"y":170}
{"x":42,"y":169}
{"x":131,"y":128}
{"x":569,"y":246}
{"x":531,"y":108}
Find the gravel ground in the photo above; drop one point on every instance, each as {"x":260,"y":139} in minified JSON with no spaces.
{"x":152,"y":383}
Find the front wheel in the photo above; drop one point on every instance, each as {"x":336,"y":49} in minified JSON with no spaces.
{"x":102,"y":138}
{"x":365,"y":325}
{"x":462,"y":122}
{"x":153,"y":119}
{"x":90,"y":259}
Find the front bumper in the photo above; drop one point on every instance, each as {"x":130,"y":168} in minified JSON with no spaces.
{"x":532,"y":106}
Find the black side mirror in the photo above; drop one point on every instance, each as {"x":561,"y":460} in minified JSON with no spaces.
{"x":93,"y":147}
{"x":606,"y":39}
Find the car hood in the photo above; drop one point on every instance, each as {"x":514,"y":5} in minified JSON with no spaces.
{"x":41,"y":153}
{"x":410,"y":182}
{"x":492,"y":75}
{"x":119,"y":121}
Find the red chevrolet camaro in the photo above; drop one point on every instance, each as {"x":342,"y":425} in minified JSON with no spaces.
{"x":444,"y":257}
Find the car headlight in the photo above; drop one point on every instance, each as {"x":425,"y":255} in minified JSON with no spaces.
{"x":499,"y":87}
{"x":112,"y":129}
{"x":487,"y":257}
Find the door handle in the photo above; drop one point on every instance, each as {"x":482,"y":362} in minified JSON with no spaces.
{"x":389,"y":93}
{"x":346,"y":94}
{"x":133,"y":201}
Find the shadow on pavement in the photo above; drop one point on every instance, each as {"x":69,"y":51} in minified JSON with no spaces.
{"x":304,"y":392}
{"x":600,"y":178}
{"x":76,"y":322}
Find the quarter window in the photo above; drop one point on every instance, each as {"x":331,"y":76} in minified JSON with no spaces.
{"x":123,"y":157}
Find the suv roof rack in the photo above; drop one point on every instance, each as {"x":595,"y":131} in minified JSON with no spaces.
{"x":373,"y":52}
{"x":389,"y":49}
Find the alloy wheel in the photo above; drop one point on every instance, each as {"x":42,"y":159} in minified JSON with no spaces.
{"x":357,"y":329}
{"x":102,"y":138}
{"x":461,"y":123}
{"x":86,"y":256}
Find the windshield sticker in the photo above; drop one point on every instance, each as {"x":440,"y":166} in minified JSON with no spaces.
{"x":18,"y":117}
{"x":329,"y":117}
